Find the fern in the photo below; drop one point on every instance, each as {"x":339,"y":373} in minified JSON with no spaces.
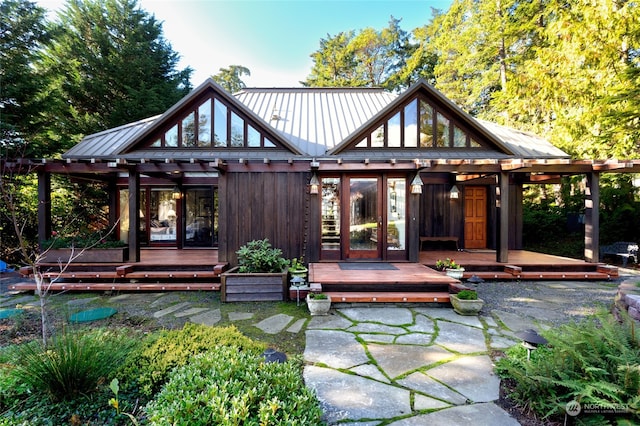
{"x":595,"y":361}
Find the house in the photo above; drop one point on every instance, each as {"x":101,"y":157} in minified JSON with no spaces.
{"x":331,"y":174}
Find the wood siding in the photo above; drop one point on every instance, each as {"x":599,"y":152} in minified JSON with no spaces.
{"x":258,"y":205}
{"x":439,"y":214}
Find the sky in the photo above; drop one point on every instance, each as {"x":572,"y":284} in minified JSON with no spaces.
{"x":273,"y":39}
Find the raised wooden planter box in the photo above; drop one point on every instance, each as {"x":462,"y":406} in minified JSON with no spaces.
{"x":94,"y":255}
{"x":252,"y":287}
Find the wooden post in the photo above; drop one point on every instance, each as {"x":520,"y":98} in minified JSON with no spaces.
{"x":134,"y":215}
{"x":413,"y":231}
{"x":44,"y":207}
{"x":114,"y":215}
{"x":502,"y":250}
{"x":592,"y":218}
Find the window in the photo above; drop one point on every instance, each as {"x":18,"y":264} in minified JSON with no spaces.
{"x":459,"y":138}
{"x":426,"y":125}
{"x":237,"y":131}
{"x":189,"y":130}
{"x":411,"y":124}
{"x":212,"y":124}
{"x":393,"y":132}
{"x":442,"y":138}
{"x":418,"y":125}
{"x":377,"y":137}
{"x":204,"y":124}
{"x":220,"y":124}
{"x":171,"y":137}
{"x":253,"y":137}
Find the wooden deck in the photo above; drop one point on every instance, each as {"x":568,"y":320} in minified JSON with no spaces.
{"x":407,"y":282}
{"x":522,"y":265}
{"x":158,"y":270}
{"x":198,"y":269}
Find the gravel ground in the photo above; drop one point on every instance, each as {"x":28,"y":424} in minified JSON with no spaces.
{"x":554,"y":302}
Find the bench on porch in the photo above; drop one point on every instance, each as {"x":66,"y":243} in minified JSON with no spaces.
{"x":444,"y":239}
{"x":621,"y":249}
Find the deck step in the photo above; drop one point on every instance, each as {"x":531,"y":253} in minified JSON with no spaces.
{"x":542,"y":275}
{"x":88,"y":286}
{"x":387,"y":297}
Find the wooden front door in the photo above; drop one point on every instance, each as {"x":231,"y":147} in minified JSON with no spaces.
{"x":475,"y":217}
{"x":364,"y":218}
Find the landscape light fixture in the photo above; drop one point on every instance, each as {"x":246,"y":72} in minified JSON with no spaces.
{"x":531,"y":340}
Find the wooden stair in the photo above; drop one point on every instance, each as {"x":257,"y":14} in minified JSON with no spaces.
{"x":598,"y":272}
{"x":407,"y":283}
{"x":130,"y":277}
{"x":387,"y":297}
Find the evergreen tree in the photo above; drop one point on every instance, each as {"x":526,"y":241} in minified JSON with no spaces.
{"x":231,"y":78}
{"x":385,"y":58}
{"x":548,"y":66}
{"x":22,"y":34}
{"x":111,"y":66}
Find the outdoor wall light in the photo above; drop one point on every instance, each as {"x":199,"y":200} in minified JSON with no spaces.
{"x":175,"y":193}
{"x":454,"y":194}
{"x":314,"y":184}
{"x":416,"y":184}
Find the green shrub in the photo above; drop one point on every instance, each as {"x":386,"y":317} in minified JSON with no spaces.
{"x":595,"y":362}
{"x":231,"y":387}
{"x":259,"y":256}
{"x":170,"y":349}
{"x":73,"y":363}
{"x":12,"y":391}
{"x":467,"y":295}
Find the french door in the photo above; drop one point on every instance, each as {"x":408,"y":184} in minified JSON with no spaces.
{"x":363,"y":217}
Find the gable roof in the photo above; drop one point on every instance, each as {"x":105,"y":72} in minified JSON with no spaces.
{"x":314,"y":122}
{"x":121,"y":141}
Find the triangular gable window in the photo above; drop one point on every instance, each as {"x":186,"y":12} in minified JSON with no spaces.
{"x":419,"y":124}
{"x":212,"y":124}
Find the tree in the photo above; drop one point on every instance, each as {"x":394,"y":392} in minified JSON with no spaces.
{"x":111,"y":66}
{"x":370,"y":58}
{"x":231,"y":78}
{"x":548,"y":66}
{"x":23,"y":33}
{"x":334,"y":63}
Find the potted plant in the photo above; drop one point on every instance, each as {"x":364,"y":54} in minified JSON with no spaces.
{"x":450,"y":267}
{"x":466,"y":302}
{"x":297,"y":268}
{"x":261,"y":274}
{"x":318,"y":303}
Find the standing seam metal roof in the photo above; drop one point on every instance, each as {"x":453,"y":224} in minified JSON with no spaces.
{"x":313,"y":120}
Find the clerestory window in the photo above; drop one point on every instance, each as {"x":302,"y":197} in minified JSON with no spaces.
{"x":212,"y":124}
{"x":419,"y":124}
